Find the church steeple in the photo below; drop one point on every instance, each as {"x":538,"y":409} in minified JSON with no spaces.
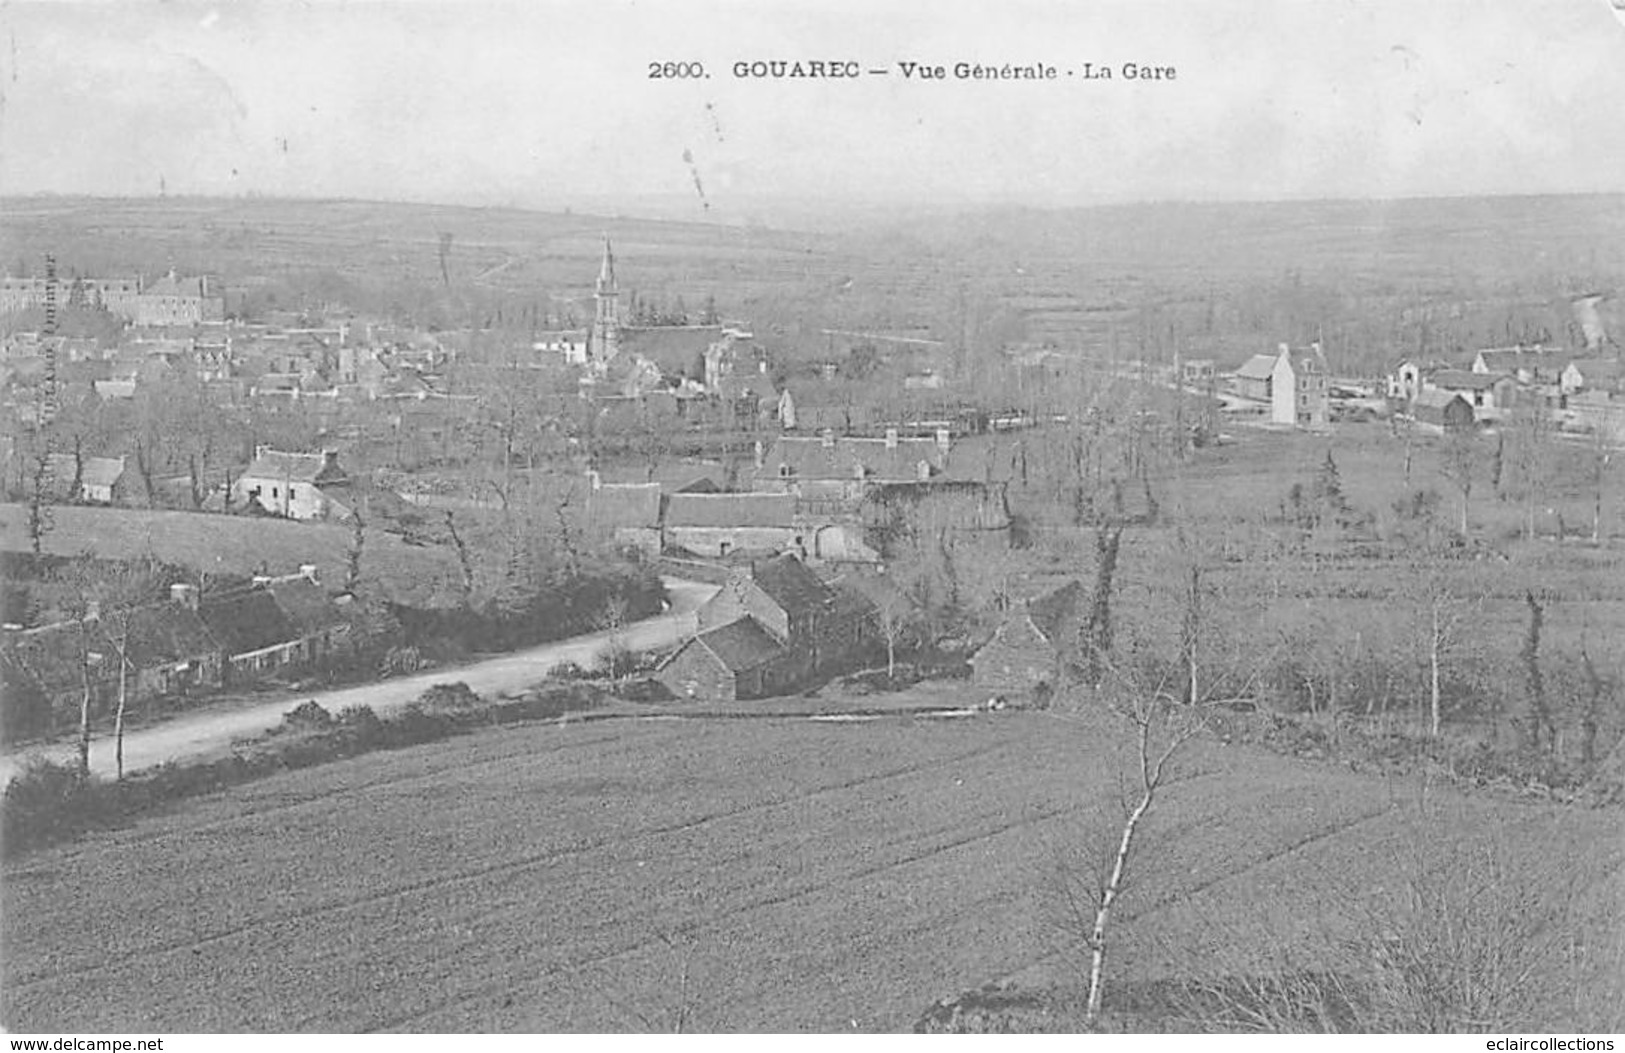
{"x":606,"y":326}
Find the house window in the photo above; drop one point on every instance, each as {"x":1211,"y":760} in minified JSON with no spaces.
{"x":273,"y":491}
{"x":784,"y":471}
{"x":290,"y":493}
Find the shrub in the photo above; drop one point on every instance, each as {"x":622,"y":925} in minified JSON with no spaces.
{"x":412,"y":725}
{"x":453,"y":697}
{"x":48,"y":802}
{"x":307,"y":716}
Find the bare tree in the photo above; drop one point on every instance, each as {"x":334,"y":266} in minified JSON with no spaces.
{"x":465,"y":560}
{"x":105,"y":601}
{"x":612,"y":618}
{"x":1460,"y":466}
{"x":1443,"y":613}
{"x":896,"y":617}
{"x":1601,"y":458}
{"x":1161,"y":725}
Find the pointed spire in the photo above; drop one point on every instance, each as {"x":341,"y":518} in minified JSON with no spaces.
{"x":606,"y":272}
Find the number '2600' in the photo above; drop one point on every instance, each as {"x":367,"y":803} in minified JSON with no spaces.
{"x":675,"y":70}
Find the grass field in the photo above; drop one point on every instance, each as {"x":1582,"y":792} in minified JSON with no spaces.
{"x":238,"y":545}
{"x":742,"y":874}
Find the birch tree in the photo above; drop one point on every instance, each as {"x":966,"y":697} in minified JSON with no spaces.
{"x":1161,"y":725}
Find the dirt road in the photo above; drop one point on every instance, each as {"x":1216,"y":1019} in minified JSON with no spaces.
{"x":205,"y":731}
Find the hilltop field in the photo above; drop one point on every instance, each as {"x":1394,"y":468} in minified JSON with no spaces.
{"x":770,"y":874}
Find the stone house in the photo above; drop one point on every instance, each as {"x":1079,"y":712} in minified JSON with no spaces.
{"x":1293,"y":382}
{"x":294,"y":485}
{"x":1591,"y":374}
{"x":830,"y":474}
{"x":168,"y":648}
{"x":101,"y":480}
{"x":774,"y":627}
{"x":719,"y":524}
{"x":1027,"y":652}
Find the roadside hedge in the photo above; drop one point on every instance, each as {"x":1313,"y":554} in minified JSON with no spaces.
{"x":48,"y":803}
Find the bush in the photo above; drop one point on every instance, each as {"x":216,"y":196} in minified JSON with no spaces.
{"x":307,"y":716}
{"x":413,"y":725}
{"x":48,"y":802}
{"x":455,"y":697}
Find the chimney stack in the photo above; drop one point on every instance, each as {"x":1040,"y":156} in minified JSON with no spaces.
{"x":891,"y":438}
{"x":944,"y":439}
{"x":826,"y":438}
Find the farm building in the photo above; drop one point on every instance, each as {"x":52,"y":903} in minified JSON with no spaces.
{"x":1530,"y":365}
{"x":1197,"y":371}
{"x":1484,"y":391}
{"x":798,"y":628}
{"x":1592,"y":374}
{"x":1025,"y":653}
{"x":627,"y":512}
{"x":1447,"y":410}
{"x":167,"y":647}
{"x":93,"y":480}
{"x":1255,"y":379}
{"x":718,"y":524}
{"x":733,"y":661}
{"x":294,"y":485}
{"x":318,"y":621}
{"x":830,"y":474}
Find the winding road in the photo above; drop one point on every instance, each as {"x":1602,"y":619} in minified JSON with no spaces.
{"x":207,"y":730}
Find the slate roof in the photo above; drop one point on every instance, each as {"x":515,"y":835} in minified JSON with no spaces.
{"x":730,"y":510}
{"x":789,"y":583}
{"x":306,"y":605}
{"x":247,"y":620}
{"x":625,"y":505}
{"x":293,"y":467}
{"x":1309,"y":359}
{"x":170,"y":285}
{"x":740,"y":645}
{"x":1598,"y":369}
{"x":169,"y":631}
{"x":1259,"y":367}
{"x":1513,"y":361}
{"x":747,"y":384}
{"x":1461,"y":380}
{"x":1051,"y":611}
{"x":95,"y":471}
{"x":810,"y":458}
{"x":679,"y":350}
{"x":159,"y":633}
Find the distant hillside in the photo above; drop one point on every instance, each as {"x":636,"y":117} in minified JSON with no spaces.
{"x":1373,"y":279}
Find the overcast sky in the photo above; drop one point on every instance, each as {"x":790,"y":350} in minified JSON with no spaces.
{"x":540,"y":103}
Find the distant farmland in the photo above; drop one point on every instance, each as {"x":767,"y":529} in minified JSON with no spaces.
{"x":830,"y":877}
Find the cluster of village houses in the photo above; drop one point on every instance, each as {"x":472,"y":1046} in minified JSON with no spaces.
{"x":790,"y":538}
{"x":190,"y":643}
